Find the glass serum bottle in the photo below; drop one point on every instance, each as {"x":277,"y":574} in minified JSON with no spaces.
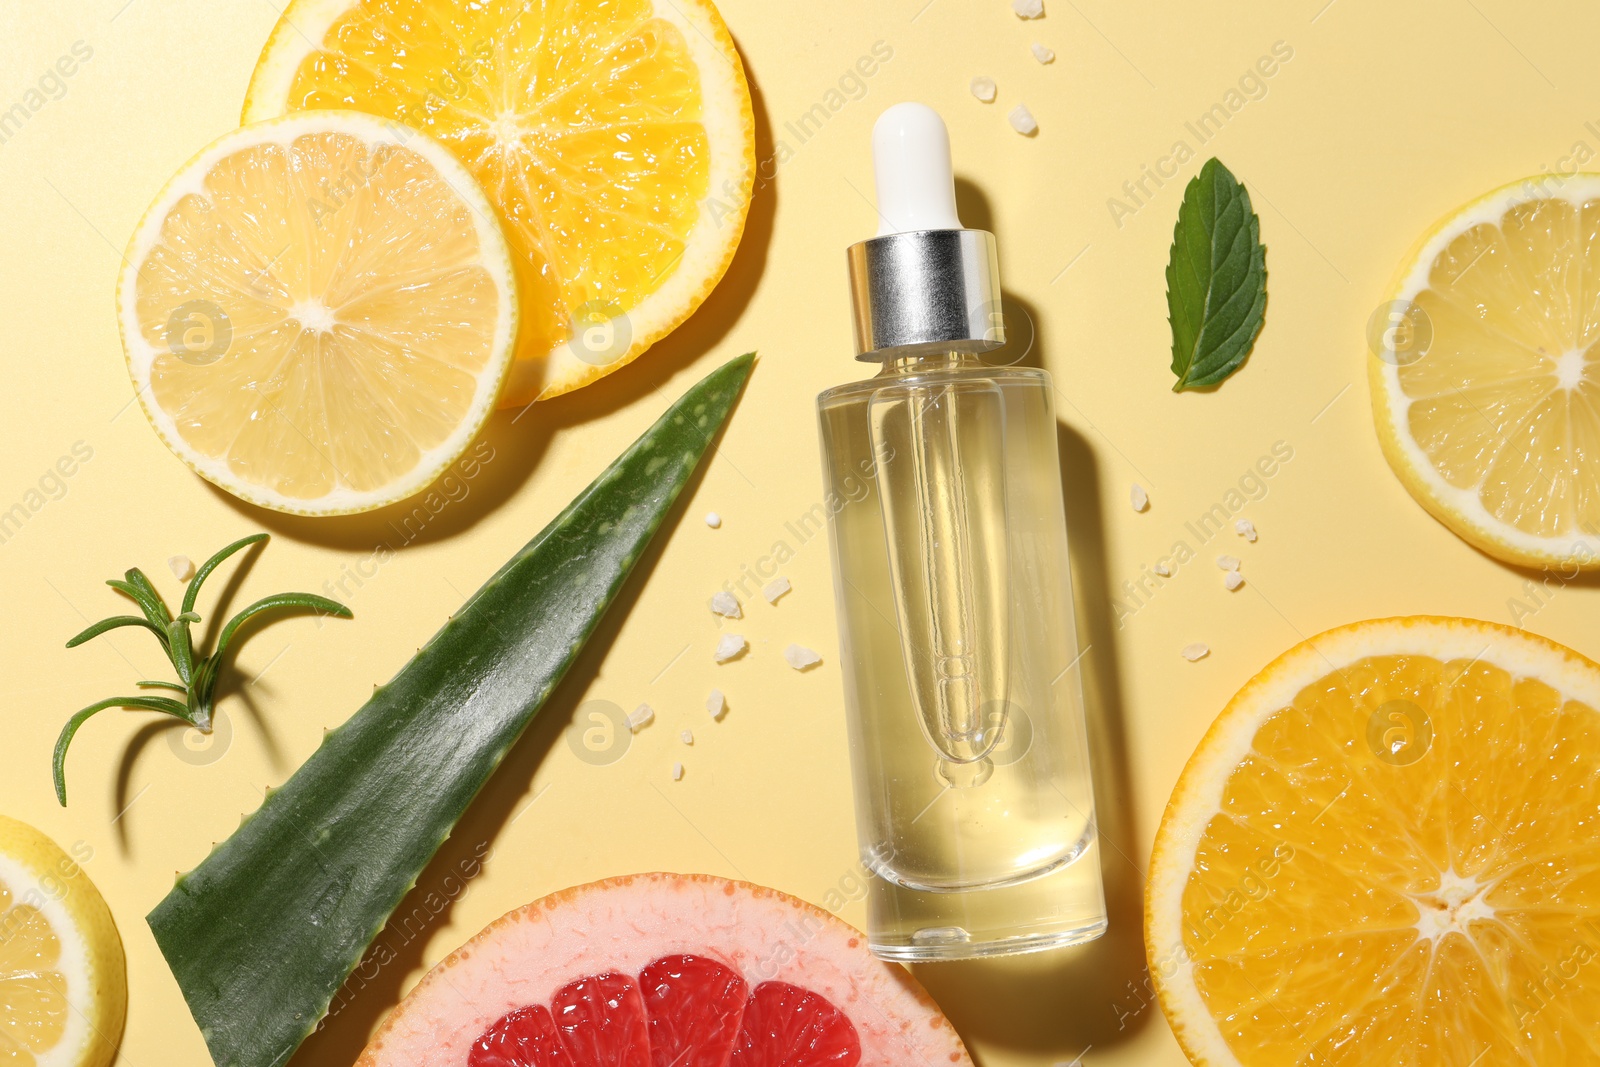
{"x":974,"y":805}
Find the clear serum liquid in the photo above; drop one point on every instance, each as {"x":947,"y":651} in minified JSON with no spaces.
{"x":974,"y":802}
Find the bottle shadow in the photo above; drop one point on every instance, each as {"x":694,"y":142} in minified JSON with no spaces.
{"x":1064,"y":1002}
{"x":514,"y":440}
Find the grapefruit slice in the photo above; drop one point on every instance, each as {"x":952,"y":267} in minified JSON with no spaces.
{"x":655,"y":970}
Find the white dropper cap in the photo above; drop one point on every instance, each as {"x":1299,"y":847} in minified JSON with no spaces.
{"x":924,"y":284}
{"x":911,"y":159}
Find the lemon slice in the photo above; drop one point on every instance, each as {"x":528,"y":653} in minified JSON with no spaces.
{"x":1485,"y":377}
{"x":318,"y":312}
{"x":1386,"y":850}
{"x":616,"y":140}
{"x":63,"y":980}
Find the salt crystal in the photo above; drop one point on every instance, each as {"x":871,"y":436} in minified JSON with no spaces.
{"x":800,"y":657}
{"x":726,"y":605}
{"x":1162,"y":570}
{"x":687,"y":737}
{"x":984,"y":89}
{"x":1028,"y":9}
{"x":182,"y":567}
{"x":1043,"y":54}
{"x":730,"y":646}
{"x":1228,"y":563}
{"x":1022,"y":121}
{"x":677,"y":772}
{"x":1195,"y":651}
{"x":1138,"y":497}
{"x":1233,"y":580}
{"x":1246,"y":529}
{"x":713,"y":520}
{"x":716,"y":705}
{"x":775,"y":589}
{"x":640,"y":717}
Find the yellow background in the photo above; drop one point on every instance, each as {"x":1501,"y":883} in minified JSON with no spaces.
{"x":1386,"y":116}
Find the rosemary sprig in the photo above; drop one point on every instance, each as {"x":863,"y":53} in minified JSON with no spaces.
{"x":197,"y":672}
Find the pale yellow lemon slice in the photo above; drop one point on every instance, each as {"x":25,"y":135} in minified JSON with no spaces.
{"x":318,"y":312}
{"x":1485,"y":376}
{"x":63,"y":980}
{"x":1386,"y":850}
{"x":615,"y":139}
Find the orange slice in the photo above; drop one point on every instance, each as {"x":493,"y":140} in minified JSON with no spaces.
{"x":318,"y":312}
{"x":615,"y":139}
{"x":1387,"y":850}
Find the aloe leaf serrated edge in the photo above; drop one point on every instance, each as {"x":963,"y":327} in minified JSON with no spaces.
{"x":262,"y":934}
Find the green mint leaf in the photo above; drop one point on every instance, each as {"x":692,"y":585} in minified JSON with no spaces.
{"x":1216,"y":279}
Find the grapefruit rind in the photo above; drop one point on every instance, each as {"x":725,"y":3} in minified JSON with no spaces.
{"x":1197,"y":797}
{"x":623,"y":924}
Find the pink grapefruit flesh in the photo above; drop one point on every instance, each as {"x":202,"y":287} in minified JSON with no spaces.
{"x":665,"y":970}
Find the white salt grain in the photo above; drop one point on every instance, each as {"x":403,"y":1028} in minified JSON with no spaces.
{"x":800,"y":657}
{"x":1138,"y":497}
{"x":1228,"y":563}
{"x":1043,"y":54}
{"x":1195,"y":651}
{"x":640,"y":717}
{"x":677,"y":772}
{"x":984,"y":89}
{"x":182,"y":567}
{"x":1233,"y":580}
{"x":1028,"y":9}
{"x":1162,"y":570}
{"x":775,"y":589}
{"x":1022,"y":121}
{"x":716,"y":705}
{"x":713,"y":520}
{"x":687,"y":737}
{"x":726,"y":605}
{"x":729,"y":647}
{"x":1246,"y":529}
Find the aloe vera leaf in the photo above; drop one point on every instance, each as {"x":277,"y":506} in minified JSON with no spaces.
{"x":263,"y":932}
